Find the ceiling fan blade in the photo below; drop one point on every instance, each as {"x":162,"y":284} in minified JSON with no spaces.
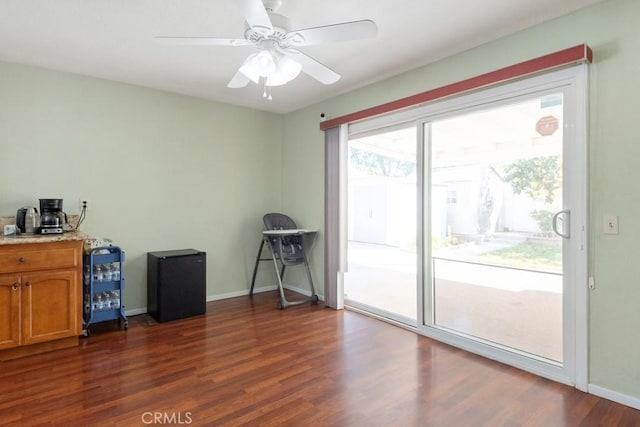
{"x":355,"y":30}
{"x":239,"y":80}
{"x":255,"y":14}
{"x":318,"y":71}
{"x":202,"y":41}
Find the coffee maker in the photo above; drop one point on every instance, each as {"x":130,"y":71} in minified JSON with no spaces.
{"x":52,"y":218}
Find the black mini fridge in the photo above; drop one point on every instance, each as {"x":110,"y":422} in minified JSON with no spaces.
{"x":176,"y":284}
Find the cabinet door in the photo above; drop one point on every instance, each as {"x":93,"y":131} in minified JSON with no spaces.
{"x":9,"y":311}
{"x":50,"y":306}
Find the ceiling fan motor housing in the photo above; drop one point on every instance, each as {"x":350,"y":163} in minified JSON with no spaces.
{"x":281,"y":27}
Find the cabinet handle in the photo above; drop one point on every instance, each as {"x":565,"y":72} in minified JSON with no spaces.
{"x":21,"y":259}
{"x":27,"y":283}
{"x":15,"y":286}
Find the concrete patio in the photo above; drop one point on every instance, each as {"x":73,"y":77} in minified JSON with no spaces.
{"x":516,"y":308}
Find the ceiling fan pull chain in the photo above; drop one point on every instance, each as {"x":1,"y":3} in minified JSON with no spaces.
{"x":266,"y":89}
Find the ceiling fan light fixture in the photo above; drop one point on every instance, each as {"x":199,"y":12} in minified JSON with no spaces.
{"x":261,"y":64}
{"x":276,"y":69}
{"x":286,"y":70}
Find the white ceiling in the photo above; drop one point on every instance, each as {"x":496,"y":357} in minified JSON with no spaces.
{"x":112,"y":39}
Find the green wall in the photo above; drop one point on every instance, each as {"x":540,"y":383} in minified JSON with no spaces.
{"x":160,"y":171}
{"x":611,"y":30}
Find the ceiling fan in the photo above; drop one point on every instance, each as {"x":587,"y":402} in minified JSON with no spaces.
{"x":278,"y":60}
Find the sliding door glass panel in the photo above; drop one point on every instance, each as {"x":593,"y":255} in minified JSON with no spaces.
{"x":382,"y":218}
{"x":495,"y":188}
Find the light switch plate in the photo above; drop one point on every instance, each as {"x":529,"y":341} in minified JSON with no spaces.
{"x":610,"y":224}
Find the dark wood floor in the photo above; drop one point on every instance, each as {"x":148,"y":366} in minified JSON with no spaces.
{"x":247,"y":363}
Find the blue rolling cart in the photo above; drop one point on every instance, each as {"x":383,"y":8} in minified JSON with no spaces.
{"x":103,"y":287}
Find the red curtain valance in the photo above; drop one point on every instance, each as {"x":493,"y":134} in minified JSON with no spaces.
{"x":572,"y":55}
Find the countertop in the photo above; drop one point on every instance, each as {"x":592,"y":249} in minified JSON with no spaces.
{"x":41,"y":238}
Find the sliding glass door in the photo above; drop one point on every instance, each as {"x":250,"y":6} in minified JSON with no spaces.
{"x":382,"y":219}
{"x":466,"y":218}
{"x":504,"y":226}
{"x":496,"y":185}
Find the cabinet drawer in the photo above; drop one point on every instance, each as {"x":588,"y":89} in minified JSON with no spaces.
{"x":19,"y":258}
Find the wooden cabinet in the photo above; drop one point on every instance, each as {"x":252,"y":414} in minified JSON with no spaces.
{"x":9,"y":311}
{"x":40,"y":297}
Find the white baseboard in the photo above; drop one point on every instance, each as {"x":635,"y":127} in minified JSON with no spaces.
{"x":244,"y":292}
{"x":135,"y":311}
{"x":615,"y":396}
{"x":143,"y":310}
{"x":305,"y":292}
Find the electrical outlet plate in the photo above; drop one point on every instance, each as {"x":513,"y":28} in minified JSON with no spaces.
{"x":81,"y":202}
{"x":610,"y":224}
